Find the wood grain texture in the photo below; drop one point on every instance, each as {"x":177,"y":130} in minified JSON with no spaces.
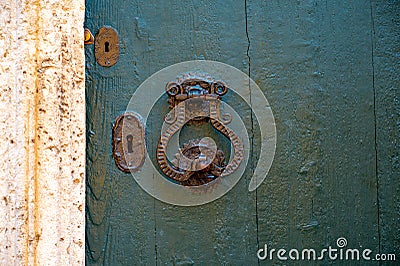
{"x":387,"y":90}
{"x":119,"y":218}
{"x":225,"y":230}
{"x":330,"y":73}
{"x":314,"y":61}
{"x":120,"y":221}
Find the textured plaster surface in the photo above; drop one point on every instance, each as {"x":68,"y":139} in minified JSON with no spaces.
{"x":42,"y":125}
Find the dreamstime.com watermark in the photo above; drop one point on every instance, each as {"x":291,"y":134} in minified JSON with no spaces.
{"x":338,"y":252}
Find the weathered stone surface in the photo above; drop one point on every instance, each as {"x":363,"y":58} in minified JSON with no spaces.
{"x":42,"y":124}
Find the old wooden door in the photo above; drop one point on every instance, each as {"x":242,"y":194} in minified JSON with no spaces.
{"x":330,"y":72}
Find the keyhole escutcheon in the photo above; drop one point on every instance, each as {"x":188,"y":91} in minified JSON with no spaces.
{"x":106,"y":46}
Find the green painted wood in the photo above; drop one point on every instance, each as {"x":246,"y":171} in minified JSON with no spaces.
{"x":317,"y":70}
{"x":167,"y":234}
{"x":120,"y":218}
{"x":386,"y":29}
{"x":225,"y":230}
{"x":330,"y":72}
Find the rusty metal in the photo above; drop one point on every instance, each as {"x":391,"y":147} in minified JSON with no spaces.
{"x":89,"y":38}
{"x":196,"y":98}
{"x":128,"y":142}
{"x":194,"y":85}
{"x":106,"y":46}
{"x":207,"y":174}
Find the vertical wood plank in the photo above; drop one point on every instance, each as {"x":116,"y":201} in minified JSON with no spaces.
{"x":119,"y":219}
{"x":387,"y":90}
{"x":313,"y":60}
{"x":223,"y":231}
{"x":125,"y":224}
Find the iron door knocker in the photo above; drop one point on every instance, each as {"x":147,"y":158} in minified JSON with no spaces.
{"x":196,"y":99}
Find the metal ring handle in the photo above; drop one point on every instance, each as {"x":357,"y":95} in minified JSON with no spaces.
{"x":178,"y":175}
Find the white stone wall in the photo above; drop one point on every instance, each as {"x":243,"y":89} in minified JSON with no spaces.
{"x":42,"y":132}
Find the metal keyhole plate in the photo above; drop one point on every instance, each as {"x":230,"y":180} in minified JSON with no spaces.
{"x":129,"y":147}
{"x":106,"y":46}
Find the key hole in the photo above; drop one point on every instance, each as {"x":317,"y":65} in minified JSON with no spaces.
{"x":129,"y":138}
{"x":106,"y":47}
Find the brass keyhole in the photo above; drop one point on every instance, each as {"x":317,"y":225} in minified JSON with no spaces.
{"x":106,"y":47}
{"x":129,"y":139}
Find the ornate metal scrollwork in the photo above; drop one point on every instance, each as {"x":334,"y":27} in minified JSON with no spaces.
{"x":196,"y":99}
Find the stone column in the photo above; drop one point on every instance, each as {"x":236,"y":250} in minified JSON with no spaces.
{"x":42,"y":132}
